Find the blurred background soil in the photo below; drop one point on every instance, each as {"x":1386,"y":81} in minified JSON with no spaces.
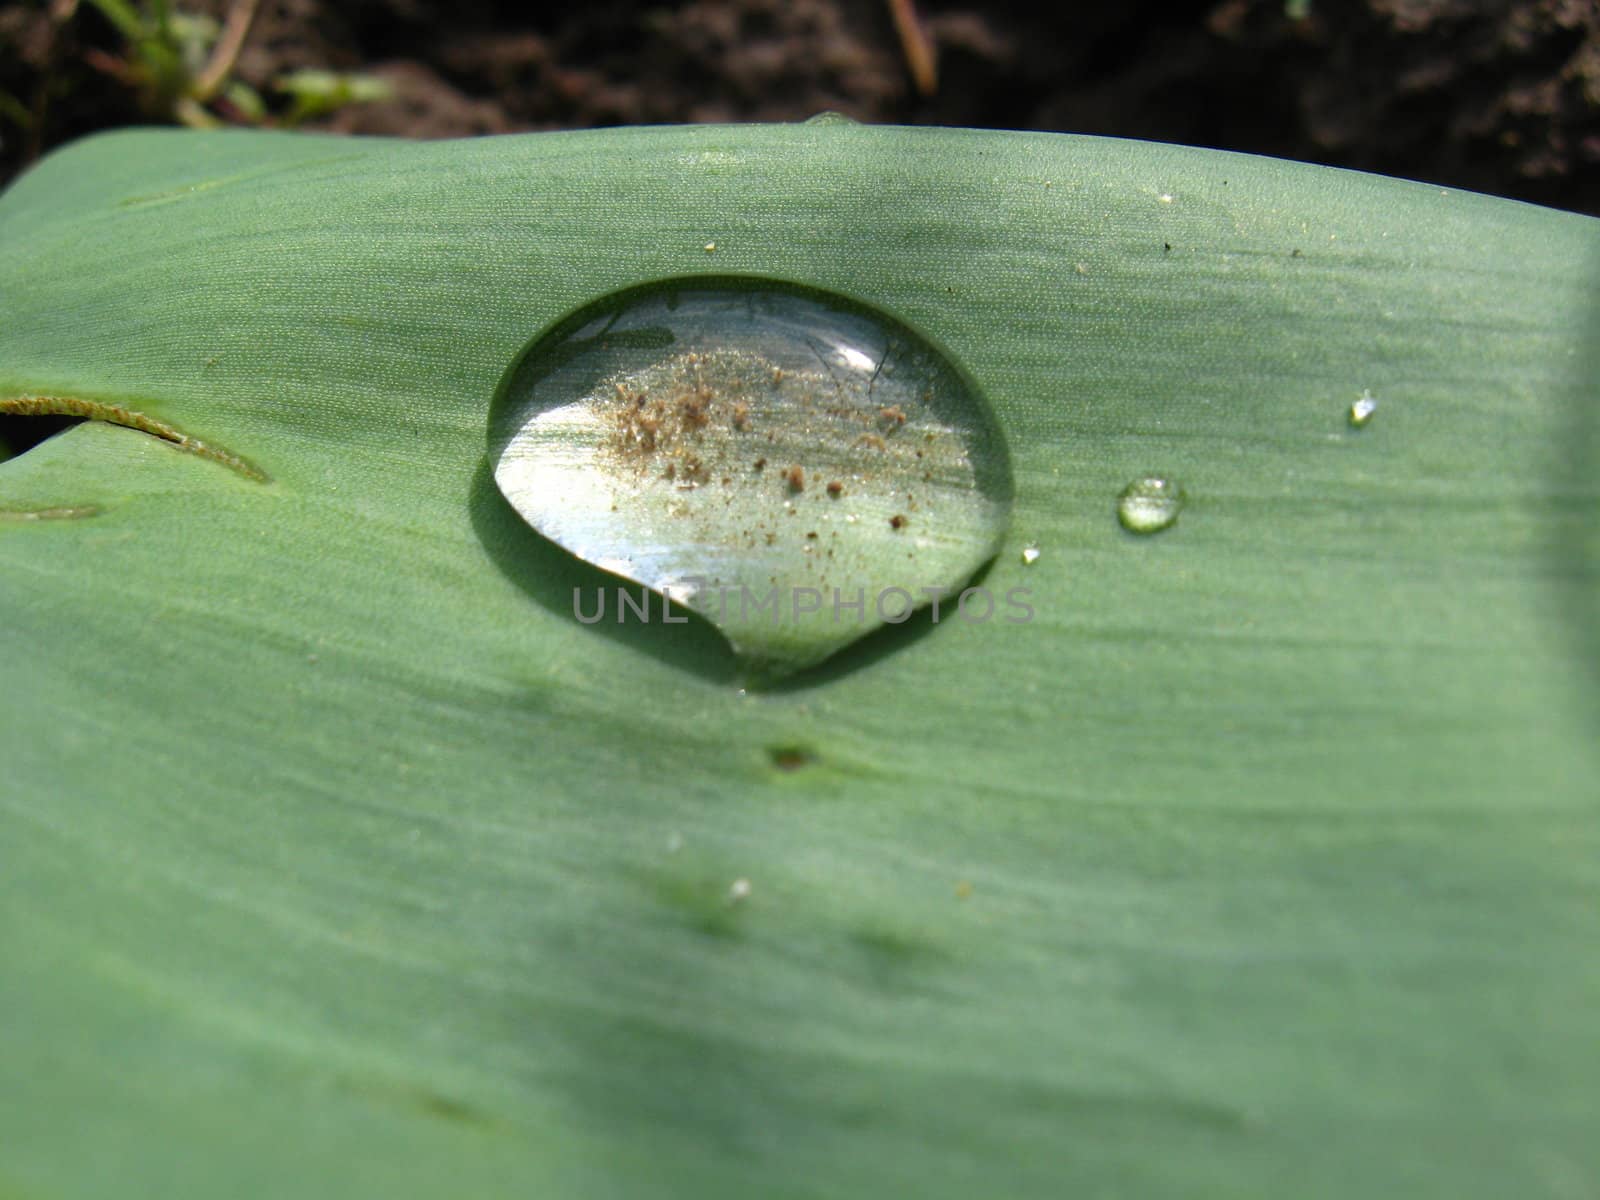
{"x":1492,"y":95}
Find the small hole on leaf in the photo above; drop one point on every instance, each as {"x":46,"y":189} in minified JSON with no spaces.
{"x":18,"y":435}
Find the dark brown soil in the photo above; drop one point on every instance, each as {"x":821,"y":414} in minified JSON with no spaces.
{"x":1493,"y":95}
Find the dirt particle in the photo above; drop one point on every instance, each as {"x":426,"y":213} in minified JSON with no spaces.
{"x":795,"y":477}
{"x":898,"y":521}
{"x":791,"y":757}
{"x":835,"y":488}
{"x":892,"y":417}
{"x":760,"y":464}
{"x":695,"y":410}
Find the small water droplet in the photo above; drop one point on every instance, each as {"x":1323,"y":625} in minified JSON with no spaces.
{"x":1150,"y":504}
{"x":1030,"y":554}
{"x":1361,"y":411}
{"x":739,"y":891}
{"x":710,"y":247}
{"x":670,"y":434}
{"x":831,"y":118}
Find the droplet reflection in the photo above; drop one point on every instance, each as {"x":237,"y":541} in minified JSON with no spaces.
{"x":1149,"y":504}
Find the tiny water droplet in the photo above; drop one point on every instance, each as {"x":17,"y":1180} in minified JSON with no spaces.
{"x":739,"y":891}
{"x":672,"y":433}
{"x":1361,"y":411}
{"x":830,"y":118}
{"x":1150,"y":504}
{"x":1030,"y":554}
{"x":710,"y":247}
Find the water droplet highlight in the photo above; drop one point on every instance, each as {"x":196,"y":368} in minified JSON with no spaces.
{"x":1361,"y":411}
{"x":1150,"y":504}
{"x":784,"y":461}
{"x":1030,"y":554}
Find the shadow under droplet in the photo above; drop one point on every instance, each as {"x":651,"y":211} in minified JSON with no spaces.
{"x":875,"y":646}
{"x":552,"y":576}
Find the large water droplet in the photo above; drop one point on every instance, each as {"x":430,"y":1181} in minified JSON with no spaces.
{"x":793,"y":465}
{"x":1149,"y":504}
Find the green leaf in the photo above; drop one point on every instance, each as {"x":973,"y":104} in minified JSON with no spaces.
{"x":338,"y":859}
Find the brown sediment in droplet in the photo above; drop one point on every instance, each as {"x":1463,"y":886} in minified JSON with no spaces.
{"x":694,"y":410}
{"x":695,"y":405}
{"x":702,"y":422}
